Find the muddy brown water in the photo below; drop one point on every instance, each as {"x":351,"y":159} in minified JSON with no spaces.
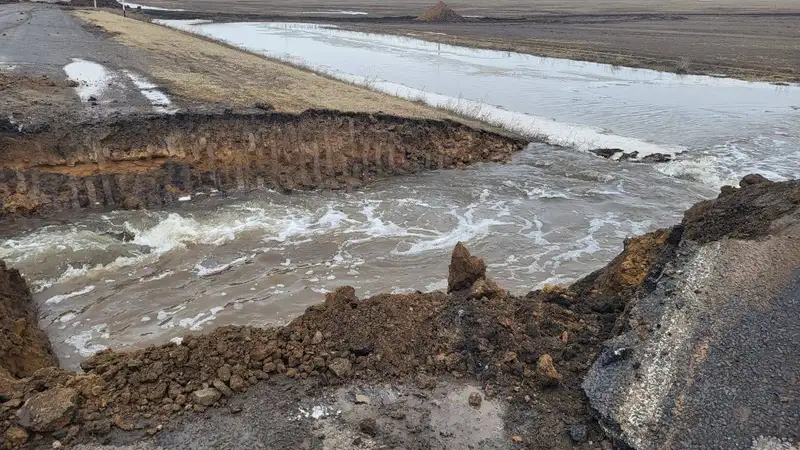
{"x":127,"y":279}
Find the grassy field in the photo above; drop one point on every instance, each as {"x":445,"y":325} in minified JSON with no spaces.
{"x":198,"y":70}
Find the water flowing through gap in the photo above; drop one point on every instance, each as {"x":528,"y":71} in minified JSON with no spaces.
{"x":131,"y":278}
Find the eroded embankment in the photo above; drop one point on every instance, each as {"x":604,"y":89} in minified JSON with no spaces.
{"x":531,"y":351}
{"x":152,"y":161}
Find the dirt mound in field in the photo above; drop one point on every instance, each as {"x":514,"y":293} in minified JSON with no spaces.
{"x":440,"y":12}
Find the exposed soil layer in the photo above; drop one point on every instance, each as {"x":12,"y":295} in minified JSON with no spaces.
{"x":24,"y":348}
{"x":152,"y":161}
{"x":532,"y":351}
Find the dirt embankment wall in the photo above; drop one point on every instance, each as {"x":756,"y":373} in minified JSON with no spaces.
{"x":152,"y":161}
{"x":24,"y":348}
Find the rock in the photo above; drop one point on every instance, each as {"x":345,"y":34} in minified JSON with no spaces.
{"x":16,"y":437}
{"x":224,"y":373}
{"x":517,"y":439}
{"x":425,"y":381}
{"x":475,"y":400}
{"x":341,"y":296}
{"x":341,"y":367}
{"x":753,"y":178}
{"x":317,"y":338}
{"x":49,"y":410}
{"x":362,"y":399}
{"x":546,"y":372}
{"x":206,"y":397}
{"x":577,"y":432}
{"x":270,"y":367}
{"x":238,"y":384}
{"x":465,"y":269}
{"x":56,"y":445}
{"x":486,"y":288}
{"x":368,"y":426}
{"x":222,"y":387}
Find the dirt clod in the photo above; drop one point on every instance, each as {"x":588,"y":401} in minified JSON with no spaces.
{"x":206,"y":397}
{"x":368,"y":426}
{"x":475,"y":400}
{"x":465,"y":269}
{"x":16,"y":437}
{"x":546,"y":371}
{"x":49,"y":410}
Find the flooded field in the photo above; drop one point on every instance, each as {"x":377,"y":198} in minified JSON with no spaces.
{"x":726,"y":127}
{"x":128,"y":279}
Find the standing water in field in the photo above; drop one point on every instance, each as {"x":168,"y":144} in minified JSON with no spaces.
{"x":726,"y":127}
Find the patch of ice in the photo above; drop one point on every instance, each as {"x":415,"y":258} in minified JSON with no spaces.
{"x":338,"y":11}
{"x":130,"y":5}
{"x":159,"y":100}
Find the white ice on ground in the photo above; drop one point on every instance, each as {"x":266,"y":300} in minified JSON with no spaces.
{"x":92,"y":78}
{"x":338,"y":11}
{"x":145,"y":7}
{"x":160,"y":101}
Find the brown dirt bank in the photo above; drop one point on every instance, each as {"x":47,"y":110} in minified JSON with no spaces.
{"x":151,"y":161}
{"x":24,"y":348}
{"x":533,"y":351}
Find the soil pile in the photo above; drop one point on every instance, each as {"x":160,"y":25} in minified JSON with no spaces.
{"x":531,"y":350}
{"x":440,"y":12}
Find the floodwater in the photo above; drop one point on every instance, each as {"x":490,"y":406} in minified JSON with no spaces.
{"x":132,"y":278}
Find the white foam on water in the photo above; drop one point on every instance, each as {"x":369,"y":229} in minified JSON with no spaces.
{"x":92,"y":78}
{"x":67,"y":317}
{"x":467,"y":229}
{"x":208,"y":271}
{"x":82,"y":342}
{"x":56,"y":299}
{"x":160,"y":276}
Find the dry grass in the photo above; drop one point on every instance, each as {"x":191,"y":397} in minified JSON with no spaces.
{"x":199,"y":70}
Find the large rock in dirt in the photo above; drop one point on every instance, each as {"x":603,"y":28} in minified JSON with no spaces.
{"x":465,"y":269}
{"x":24,"y":348}
{"x":49,"y":410}
{"x":708,"y":358}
